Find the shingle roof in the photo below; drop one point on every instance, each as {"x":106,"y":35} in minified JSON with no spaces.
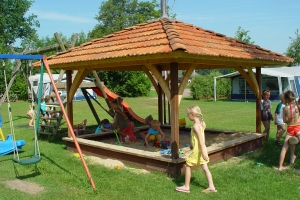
{"x":164,"y":41}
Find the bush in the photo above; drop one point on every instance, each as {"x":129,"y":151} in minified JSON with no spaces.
{"x":126,"y":84}
{"x":202,"y":87}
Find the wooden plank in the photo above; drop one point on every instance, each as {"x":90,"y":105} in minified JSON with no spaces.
{"x":70,"y":102}
{"x":77,"y":80}
{"x":146,"y":70}
{"x":253,"y":79}
{"x":160,"y":80}
{"x":258,"y":100}
{"x":82,"y":85}
{"x":61,"y":45}
{"x":246,"y":77}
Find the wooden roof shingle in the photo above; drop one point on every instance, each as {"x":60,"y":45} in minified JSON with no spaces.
{"x":159,"y":42}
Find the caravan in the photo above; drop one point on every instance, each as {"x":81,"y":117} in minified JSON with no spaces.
{"x":47,"y":87}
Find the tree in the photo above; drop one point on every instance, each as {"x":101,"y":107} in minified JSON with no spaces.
{"x":242,"y":35}
{"x":293,"y":49}
{"x":13,"y":23}
{"x":115,"y":15}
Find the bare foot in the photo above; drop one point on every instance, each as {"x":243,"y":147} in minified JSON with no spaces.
{"x":282,"y":168}
{"x":208,"y":190}
{"x":293,"y":158}
{"x":183,"y":189}
{"x":30,"y":124}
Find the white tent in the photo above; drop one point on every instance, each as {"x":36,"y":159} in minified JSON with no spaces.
{"x":287,"y":79}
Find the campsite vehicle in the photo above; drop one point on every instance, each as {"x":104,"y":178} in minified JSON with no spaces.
{"x":47,"y":87}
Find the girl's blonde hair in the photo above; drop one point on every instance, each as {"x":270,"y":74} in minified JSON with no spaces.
{"x":197,"y":112}
{"x":155,"y":123}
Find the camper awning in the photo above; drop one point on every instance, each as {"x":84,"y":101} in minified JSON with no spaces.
{"x":276,"y":71}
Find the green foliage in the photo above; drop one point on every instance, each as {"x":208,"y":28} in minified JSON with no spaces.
{"x":293,"y":49}
{"x":129,"y":84}
{"x":14,"y":22}
{"x":208,"y":71}
{"x":115,"y":15}
{"x":242,"y":35}
{"x":202,"y":87}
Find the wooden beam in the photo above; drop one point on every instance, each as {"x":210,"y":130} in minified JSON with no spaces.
{"x":246,"y":77}
{"x":69,"y":100}
{"x":100,"y":86}
{"x":160,"y":80}
{"x":184,"y":81}
{"x":253,"y":79}
{"x":258,"y":100}
{"x":61,"y":45}
{"x":14,"y":75}
{"x":88,"y":100}
{"x":74,"y":39}
{"x":80,"y":75}
{"x":176,"y":56}
{"x":146,"y":70}
{"x":160,"y":99}
{"x":174,"y":111}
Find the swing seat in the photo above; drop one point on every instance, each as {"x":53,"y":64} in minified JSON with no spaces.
{"x":30,"y":161}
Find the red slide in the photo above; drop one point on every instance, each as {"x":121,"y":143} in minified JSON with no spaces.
{"x":111,"y":96}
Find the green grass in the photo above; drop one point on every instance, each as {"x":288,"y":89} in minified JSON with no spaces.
{"x":63,"y":177}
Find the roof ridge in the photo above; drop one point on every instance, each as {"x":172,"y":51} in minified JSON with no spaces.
{"x":173,"y":36}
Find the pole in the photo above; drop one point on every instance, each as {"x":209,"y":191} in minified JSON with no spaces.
{"x":163,"y":11}
{"x":68,"y":123}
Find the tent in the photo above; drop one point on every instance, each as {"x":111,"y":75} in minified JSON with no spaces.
{"x":277,"y":80}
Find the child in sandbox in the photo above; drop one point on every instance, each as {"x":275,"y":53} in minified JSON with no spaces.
{"x":105,"y":126}
{"x":148,"y":121}
{"x":120,"y":121}
{"x":154,"y":133}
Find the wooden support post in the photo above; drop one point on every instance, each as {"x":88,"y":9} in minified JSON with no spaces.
{"x":75,"y":37}
{"x":60,"y":42}
{"x":69,"y":100}
{"x":258,"y":100}
{"x":159,"y":99}
{"x":88,"y":100}
{"x":100,"y":86}
{"x":14,"y":74}
{"x":174,"y":111}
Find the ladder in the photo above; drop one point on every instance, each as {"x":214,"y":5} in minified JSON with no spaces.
{"x":50,"y":122}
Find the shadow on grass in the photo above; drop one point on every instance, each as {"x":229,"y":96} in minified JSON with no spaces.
{"x":269,"y":155}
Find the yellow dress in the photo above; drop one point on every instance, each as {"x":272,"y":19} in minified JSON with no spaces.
{"x":195,"y":158}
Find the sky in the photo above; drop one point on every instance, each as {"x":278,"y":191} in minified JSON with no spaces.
{"x":270,"y":23}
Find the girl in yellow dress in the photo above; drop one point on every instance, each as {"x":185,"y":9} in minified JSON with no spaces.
{"x":199,"y":156}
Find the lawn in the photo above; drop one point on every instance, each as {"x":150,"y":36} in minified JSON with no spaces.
{"x":62,"y":175}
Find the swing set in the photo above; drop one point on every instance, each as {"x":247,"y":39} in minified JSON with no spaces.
{"x":36,"y":155}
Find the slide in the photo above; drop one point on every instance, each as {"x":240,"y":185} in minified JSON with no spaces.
{"x":7,"y":146}
{"x":111,"y":96}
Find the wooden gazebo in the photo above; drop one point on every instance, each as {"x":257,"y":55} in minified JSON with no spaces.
{"x":161,"y":45}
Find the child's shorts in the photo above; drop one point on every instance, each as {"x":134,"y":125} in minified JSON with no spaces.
{"x":293,"y":130}
{"x":154,"y":137}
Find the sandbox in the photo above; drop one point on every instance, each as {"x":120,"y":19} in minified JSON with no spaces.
{"x":220,"y":144}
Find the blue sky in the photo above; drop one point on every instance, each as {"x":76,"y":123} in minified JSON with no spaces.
{"x":270,"y":22}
